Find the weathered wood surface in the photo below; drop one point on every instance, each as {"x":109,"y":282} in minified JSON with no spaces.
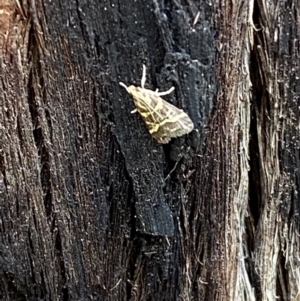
{"x":93,"y":208}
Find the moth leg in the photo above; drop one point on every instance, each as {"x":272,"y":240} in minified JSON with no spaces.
{"x":166,"y":92}
{"x":143,"y":80}
{"x":156,"y":93}
{"x":133,"y":111}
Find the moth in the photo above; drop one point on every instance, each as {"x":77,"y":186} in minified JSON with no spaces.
{"x":163,"y":120}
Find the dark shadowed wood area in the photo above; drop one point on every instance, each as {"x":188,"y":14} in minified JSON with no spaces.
{"x":93,"y":208}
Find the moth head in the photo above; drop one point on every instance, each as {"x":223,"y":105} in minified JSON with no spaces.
{"x":130,"y":89}
{"x":138,"y":96}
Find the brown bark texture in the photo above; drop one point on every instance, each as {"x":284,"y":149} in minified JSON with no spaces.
{"x":92,"y":207}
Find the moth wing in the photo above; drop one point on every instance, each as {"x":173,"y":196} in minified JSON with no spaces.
{"x":172,"y":123}
{"x":149,"y":105}
{"x":163,"y":120}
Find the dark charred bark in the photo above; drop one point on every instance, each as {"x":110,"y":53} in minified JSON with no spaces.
{"x":92,"y":207}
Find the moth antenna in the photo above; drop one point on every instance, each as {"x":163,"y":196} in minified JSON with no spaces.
{"x":123,"y":85}
{"x":143,"y":80}
{"x":166,"y":92}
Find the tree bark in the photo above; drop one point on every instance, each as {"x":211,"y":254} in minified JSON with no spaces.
{"x":92,"y":207}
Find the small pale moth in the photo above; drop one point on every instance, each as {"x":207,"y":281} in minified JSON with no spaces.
{"x":164,"y":121}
